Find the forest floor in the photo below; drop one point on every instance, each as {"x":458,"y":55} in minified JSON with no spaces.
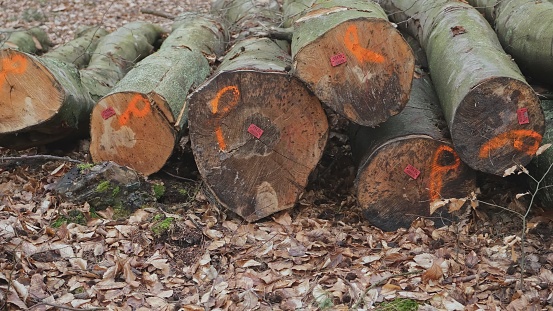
{"x":183,"y":253}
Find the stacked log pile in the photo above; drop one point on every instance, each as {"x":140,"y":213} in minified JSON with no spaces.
{"x":256,"y":124}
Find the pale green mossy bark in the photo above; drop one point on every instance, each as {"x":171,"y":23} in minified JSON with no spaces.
{"x":539,"y":165}
{"x":479,"y":86}
{"x":525,"y":30}
{"x":32,"y":41}
{"x":374,"y":83}
{"x":79,"y":50}
{"x":417,"y":136}
{"x":162,"y":81}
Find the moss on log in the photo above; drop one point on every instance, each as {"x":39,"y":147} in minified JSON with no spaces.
{"x":32,"y":41}
{"x":494,"y":116}
{"x":525,"y":30}
{"x":541,"y":164}
{"x":136,"y":123}
{"x":408,"y":163}
{"x":256,"y":131}
{"x":352,"y":58}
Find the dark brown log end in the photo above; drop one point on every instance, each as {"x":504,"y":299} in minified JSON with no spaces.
{"x":130,"y":129}
{"x":374,"y":82}
{"x":256,"y":137}
{"x":487,"y":131}
{"x":29,"y":93}
{"x":392,"y":199}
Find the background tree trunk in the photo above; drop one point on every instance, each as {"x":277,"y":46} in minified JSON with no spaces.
{"x":136,"y":123}
{"x":32,"y":41}
{"x":494,"y":116}
{"x":52,"y":99}
{"x":525,"y":30}
{"x":352,"y":58}
{"x":417,"y":137}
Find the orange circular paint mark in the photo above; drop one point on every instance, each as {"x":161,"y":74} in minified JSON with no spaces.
{"x":215,"y":110}
{"x":17,"y":64}
{"x":133,"y":109}
{"x":438,"y":171}
{"x":517,"y":138}
{"x":351,"y":40}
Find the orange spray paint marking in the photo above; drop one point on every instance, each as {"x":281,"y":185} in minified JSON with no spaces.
{"x":133,"y":109}
{"x":351,"y":40}
{"x":15,"y":65}
{"x":517,"y":138}
{"x":438,"y":171}
{"x":220,"y":113}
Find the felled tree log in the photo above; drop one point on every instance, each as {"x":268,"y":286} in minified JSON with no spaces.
{"x":136,"y":123}
{"x":494,"y":116}
{"x":32,"y":41}
{"x":47,"y":99}
{"x":352,"y":58}
{"x":540,"y":165}
{"x":408,"y":162}
{"x":256,"y":131}
{"x":525,"y":30}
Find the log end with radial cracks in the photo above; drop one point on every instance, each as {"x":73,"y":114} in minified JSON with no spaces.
{"x":497,"y":125}
{"x":256,"y":137}
{"x":362,"y":69}
{"x":132,"y":129}
{"x":401,"y":179}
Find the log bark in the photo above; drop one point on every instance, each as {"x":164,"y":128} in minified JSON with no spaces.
{"x":494,"y":116}
{"x":417,"y":137}
{"x":352,"y":58}
{"x":32,"y":41}
{"x":47,"y":99}
{"x":136,"y":123}
{"x":525,"y":30}
{"x":256,"y":131}
{"x":540,"y":165}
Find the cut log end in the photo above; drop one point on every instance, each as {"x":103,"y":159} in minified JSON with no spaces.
{"x":405,"y":176}
{"x":131,"y":129}
{"x":498,"y":124}
{"x":374,"y":81}
{"x":256,"y":137}
{"x":29,"y":93}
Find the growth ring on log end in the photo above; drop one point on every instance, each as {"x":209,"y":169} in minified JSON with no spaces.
{"x":497,"y":125}
{"x":398,"y":182}
{"x":256,"y":137}
{"x":362,"y":68}
{"x":132,"y":129}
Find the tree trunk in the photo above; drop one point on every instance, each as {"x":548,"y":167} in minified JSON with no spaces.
{"x":494,"y":116}
{"x":32,"y":41}
{"x":542,"y":163}
{"x":525,"y":30}
{"x":391,"y":195}
{"x":352,"y":58}
{"x":136,"y":123}
{"x":48,"y":99}
{"x":256,"y":131}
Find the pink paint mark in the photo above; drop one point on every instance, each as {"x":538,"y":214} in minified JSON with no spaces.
{"x":255,"y":131}
{"x":108,"y":113}
{"x":412,"y":171}
{"x":522,"y":115}
{"x":338,"y":59}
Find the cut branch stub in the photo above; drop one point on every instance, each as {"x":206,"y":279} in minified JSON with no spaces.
{"x":256,"y":132}
{"x":353,"y":59}
{"x":33,"y":41}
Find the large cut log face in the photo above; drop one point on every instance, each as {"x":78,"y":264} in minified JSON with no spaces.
{"x":492,"y":137}
{"x":256,"y":138}
{"x":378,"y":70}
{"x":132,"y":129}
{"x":22,"y":106}
{"x":392,"y":198}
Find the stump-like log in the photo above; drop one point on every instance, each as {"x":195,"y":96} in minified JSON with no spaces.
{"x":352,"y":58}
{"x":539,"y":167}
{"x":32,"y":41}
{"x":256,"y":131}
{"x":136,"y":123}
{"x":525,"y":30}
{"x":494,"y":116}
{"x":47,"y":99}
{"x":408,"y":162}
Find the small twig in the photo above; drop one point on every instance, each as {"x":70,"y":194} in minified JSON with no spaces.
{"x":40,"y":157}
{"x":65,"y":307}
{"x":382,"y":282}
{"x":179,"y":177}
{"x":157,"y":13}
